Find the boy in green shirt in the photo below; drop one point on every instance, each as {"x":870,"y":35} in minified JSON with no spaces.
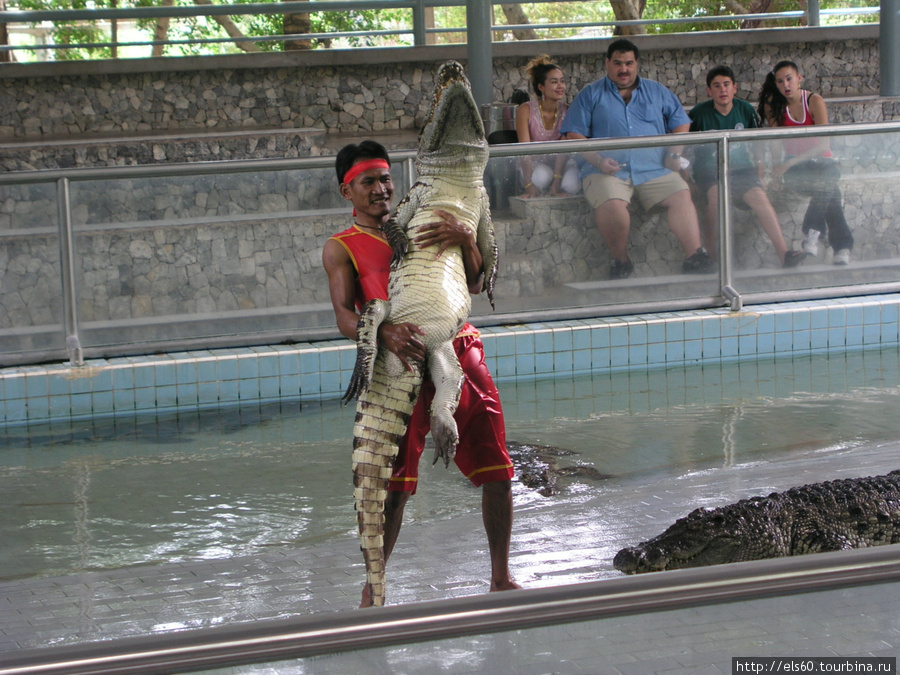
{"x":724,"y":111}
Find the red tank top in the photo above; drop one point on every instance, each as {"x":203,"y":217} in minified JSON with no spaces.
{"x":371,"y":257}
{"x":797,"y":146}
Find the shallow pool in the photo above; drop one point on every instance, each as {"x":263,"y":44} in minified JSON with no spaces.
{"x":212,"y":485}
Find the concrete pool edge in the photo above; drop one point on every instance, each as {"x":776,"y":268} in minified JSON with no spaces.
{"x":316,"y":371}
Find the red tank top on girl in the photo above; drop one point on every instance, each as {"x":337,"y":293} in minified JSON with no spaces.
{"x":797,"y":146}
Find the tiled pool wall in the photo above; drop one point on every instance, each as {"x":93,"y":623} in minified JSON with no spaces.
{"x":320,"y":370}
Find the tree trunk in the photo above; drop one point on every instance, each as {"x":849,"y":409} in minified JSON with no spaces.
{"x":5,"y":57}
{"x":297,"y":24}
{"x":231,"y":29}
{"x":161,"y":32}
{"x":628,"y":10}
{"x":516,"y":15}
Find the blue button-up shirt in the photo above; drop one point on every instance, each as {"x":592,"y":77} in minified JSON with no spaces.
{"x":600,"y":112}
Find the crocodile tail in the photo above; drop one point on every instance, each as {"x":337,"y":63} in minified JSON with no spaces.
{"x":382,"y":415}
{"x":374,"y":313}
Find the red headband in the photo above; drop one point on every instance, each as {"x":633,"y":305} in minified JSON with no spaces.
{"x":359,"y":167}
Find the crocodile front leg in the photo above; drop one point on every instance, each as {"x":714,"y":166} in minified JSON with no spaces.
{"x":447,"y":375}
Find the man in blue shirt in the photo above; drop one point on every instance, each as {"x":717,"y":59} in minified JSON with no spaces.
{"x":625,"y":105}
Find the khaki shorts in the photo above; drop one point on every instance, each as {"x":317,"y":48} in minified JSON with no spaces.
{"x":600,"y":188}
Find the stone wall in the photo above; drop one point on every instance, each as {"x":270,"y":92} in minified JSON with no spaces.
{"x":339,"y":94}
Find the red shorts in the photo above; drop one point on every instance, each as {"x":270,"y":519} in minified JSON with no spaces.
{"x":481,"y":455}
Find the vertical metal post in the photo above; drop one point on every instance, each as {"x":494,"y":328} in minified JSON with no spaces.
{"x":481,"y":66}
{"x":67,"y":270}
{"x":889,"y":47}
{"x":419,"y":34}
{"x":812,"y":13}
{"x":724,"y":241}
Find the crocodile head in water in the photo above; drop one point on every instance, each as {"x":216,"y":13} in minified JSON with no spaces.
{"x":704,"y":537}
{"x":452,"y":142}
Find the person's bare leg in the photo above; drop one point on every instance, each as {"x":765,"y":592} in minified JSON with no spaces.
{"x":683,"y":221}
{"x":614,"y":222}
{"x":497,"y":513}
{"x":768,"y":220}
{"x":393,"y":519}
{"x":711,"y":223}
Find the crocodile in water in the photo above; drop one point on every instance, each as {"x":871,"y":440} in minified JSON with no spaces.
{"x":830,"y":516}
{"x":426,"y":289}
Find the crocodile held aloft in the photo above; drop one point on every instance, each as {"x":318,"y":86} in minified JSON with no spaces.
{"x":426,"y":289}
{"x":830,"y":516}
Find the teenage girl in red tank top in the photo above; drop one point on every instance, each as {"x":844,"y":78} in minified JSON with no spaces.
{"x":807,"y":167}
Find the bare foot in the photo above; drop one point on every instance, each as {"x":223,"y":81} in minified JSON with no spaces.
{"x":507,"y":585}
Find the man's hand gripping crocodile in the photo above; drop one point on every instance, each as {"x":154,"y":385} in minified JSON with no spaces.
{"x":427,"y":287}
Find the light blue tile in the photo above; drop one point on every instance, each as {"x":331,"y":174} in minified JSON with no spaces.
{"x":729,"y":326}
{"x":207,"y":371}
{"x":289,"y":363}
{"x":854,"y":336}
{"x":637,"y":355}
{"x":309,"y":362}
{"x":765,"y":323}
{"x":145,"y":398}
{"x":562,"y":362}
{"x":248,"y":366}
{"x":330,"y":383}
{"x":854,"y":315}
{"x":818,"y":339}
{"x":693,"y":329}
{"x":289,"y":385}
{"x":186,"y":372}
{"x":784,"y":343}
{"x":562,"y":340}
{"x":188,"y":394}
{"x":506,"y":366}
{"x":81,"y":404}
{"x":581,"y":360}
{"x":144,"y":376}
{"x":801,"y":340}
{"x":675,"y":353}
{"x":57,"y":384}
{"x":525,"y":363}
{"x":765,"y":344}
{"x":729,"y":347}
{"x":36,"y":385}
{"x":637,"y":334}
{"x":543,"y":342}
{"x":208,"y":392}
{"x":490,"y":345}
{"x":165,"y":374}
{"x":524,"y":343}
{"x":60,"y":406}
{"x":618,"y":357}
{"x":712,"y":349}
{"x":784,"y":322}
{"x":167,"y":396}
{"x":711,"y":328}
{"x":228,"y":391}
{"x":16,"y":410}
{"x":102,"y":402}
{"x":837,"y":337}
{"x":600,"y":358}
{"x":656,"y":353}
{"x":506,"y":345}
{"x":618,"y":336}
{"x":248,"y":389}
{"x":747,"y":345}
{"x":599,"y":337}
{"x":269,"y":388}
{"x":871,"y":314}
{"x":656,"y":332}
{"x":675,"y":330}
{"x":14,"y":387}
{"x":123,"y":399}
{"x":79,"y":383}
{"x":818,"y":318}
{"x":543,"y":363}
{"x":581,"y":339}
{"x":693,"y":350}
{"x":890,"y":312}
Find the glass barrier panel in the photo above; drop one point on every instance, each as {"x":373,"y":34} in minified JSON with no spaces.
{"x":208,"y":255}
{"x":31,"y":312}
{"x":835,"y":210}
{"x":555,"y":248}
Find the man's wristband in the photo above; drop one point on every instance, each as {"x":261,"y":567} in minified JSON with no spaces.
{"x":674,"y":155}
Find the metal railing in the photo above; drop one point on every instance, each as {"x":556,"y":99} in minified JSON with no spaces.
{"x":417,"y":27}
{"x":733,"y":285}
{"x":325,"y":633}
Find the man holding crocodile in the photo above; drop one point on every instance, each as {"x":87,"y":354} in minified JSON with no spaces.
{"x":357,"y":261}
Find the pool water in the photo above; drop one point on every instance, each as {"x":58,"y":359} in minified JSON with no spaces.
{"x":209,"y":485}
